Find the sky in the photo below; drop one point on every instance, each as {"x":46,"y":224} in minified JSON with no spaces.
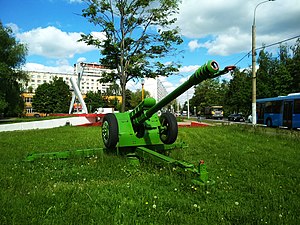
{"x":212,"y":30}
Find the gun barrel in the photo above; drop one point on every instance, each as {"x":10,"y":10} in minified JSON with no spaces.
{"x":208,"y":70}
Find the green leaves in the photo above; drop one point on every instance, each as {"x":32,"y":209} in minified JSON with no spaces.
{"x":238,"y":96}
{"x":95,"y":100}
{"x":12,"y":57}
{"x":132,"y":47}
{"x":53,"y":97}
{"x":278,"y":75}
{"x":208,"y":93}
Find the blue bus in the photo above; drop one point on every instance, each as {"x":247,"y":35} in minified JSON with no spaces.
{"x":281,"y":111}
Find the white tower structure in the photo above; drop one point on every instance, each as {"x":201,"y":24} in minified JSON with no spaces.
{"x":79,"y":69}
{"x":156,"y":88}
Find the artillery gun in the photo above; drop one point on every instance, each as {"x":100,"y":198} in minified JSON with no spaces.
{"x":142,"y":126}
{"x":141,"y":133}
{"x":144,"y":134}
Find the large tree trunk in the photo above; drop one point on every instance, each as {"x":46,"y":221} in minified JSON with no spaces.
{"x":123,"y":87}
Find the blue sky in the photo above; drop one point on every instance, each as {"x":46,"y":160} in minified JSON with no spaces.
{"x":215,"y":29}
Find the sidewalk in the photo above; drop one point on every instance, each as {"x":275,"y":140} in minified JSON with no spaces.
{"x":191,"y":123}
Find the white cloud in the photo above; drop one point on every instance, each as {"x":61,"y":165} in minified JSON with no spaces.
{"x":193,"y":45}
{"x":183,"y":79}
{"x":75,"y":1}
{"x":52,"y":42}
{"x":99,"y":35}
{"x":81,"y":59}
{"x":59,"y":68}
{"x":227,"y":25}
{"x":188,"y":69}
{"x":231,"y":42}
{"x":14,"y":27}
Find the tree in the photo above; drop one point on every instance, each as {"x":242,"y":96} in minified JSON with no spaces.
{"x":113,"y":89}
{"x":136,"y":97}
{"x":53,"y":97}
{"x":274,"y":76}
{"x":12,"y":57}
{"x":131,"y":47}
{"x":238,"y":95}
{"x":172,"y":106}
{"x":42,"y":100}
{"x":94,"y":100}
{"x":294,"y":68}
{"x":128,"y":100}
{"x":264,"y":81}
{"x":208,"y":93}
{"x":62,"y":95}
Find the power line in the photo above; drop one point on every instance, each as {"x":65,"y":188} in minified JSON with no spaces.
{"x":266,"y":46}
{"x":242,"y":58}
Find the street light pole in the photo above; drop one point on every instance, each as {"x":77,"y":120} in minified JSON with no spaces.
{"x":143,"y":91}
{"x":188,"y":104}
{"x":254,"y":64}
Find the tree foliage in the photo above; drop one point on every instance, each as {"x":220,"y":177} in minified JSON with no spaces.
{"x":12,"y":57}
{"x":275,"y":76}
{"x":238,"y":95}
{"x":53,"y":97}
{"x":131,"y":47}
{"x":136,"y":97}
{"x":208,"y":93}
{"x":95,"y":100}
{"x":113,"y":90}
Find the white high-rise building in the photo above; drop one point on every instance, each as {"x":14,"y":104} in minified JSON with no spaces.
{"x":92,"y":72}
{"x":156,"y":88}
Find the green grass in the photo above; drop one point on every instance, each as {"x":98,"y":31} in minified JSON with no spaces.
{"x":257,"y":174}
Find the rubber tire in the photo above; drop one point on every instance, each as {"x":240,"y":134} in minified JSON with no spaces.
{"x":110,"y":123}
{"x":168,"y":121}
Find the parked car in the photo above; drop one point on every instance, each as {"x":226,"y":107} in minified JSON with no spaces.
{"x":237,"y":117}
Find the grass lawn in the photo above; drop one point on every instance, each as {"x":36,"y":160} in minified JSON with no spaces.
{"x":257,"y":174}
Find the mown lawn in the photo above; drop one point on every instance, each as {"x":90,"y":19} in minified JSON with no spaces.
{"x":257,"y":174}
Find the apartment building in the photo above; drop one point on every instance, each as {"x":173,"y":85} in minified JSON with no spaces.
{"x":90,"y":75}
{"x":156,"y":88}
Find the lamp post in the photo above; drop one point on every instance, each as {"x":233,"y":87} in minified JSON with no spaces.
{"x":143,"y":92}
{"x":188,"y":104}
{"x":254,"y":64}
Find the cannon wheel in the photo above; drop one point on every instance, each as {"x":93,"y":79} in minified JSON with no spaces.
{"x":110,"y":131}
{"x":169,"y":128}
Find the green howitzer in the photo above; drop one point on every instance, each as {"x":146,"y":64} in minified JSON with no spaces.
{"x":145,"y":135}
{"x":142,"y":126}
{"x":142,"y":134}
